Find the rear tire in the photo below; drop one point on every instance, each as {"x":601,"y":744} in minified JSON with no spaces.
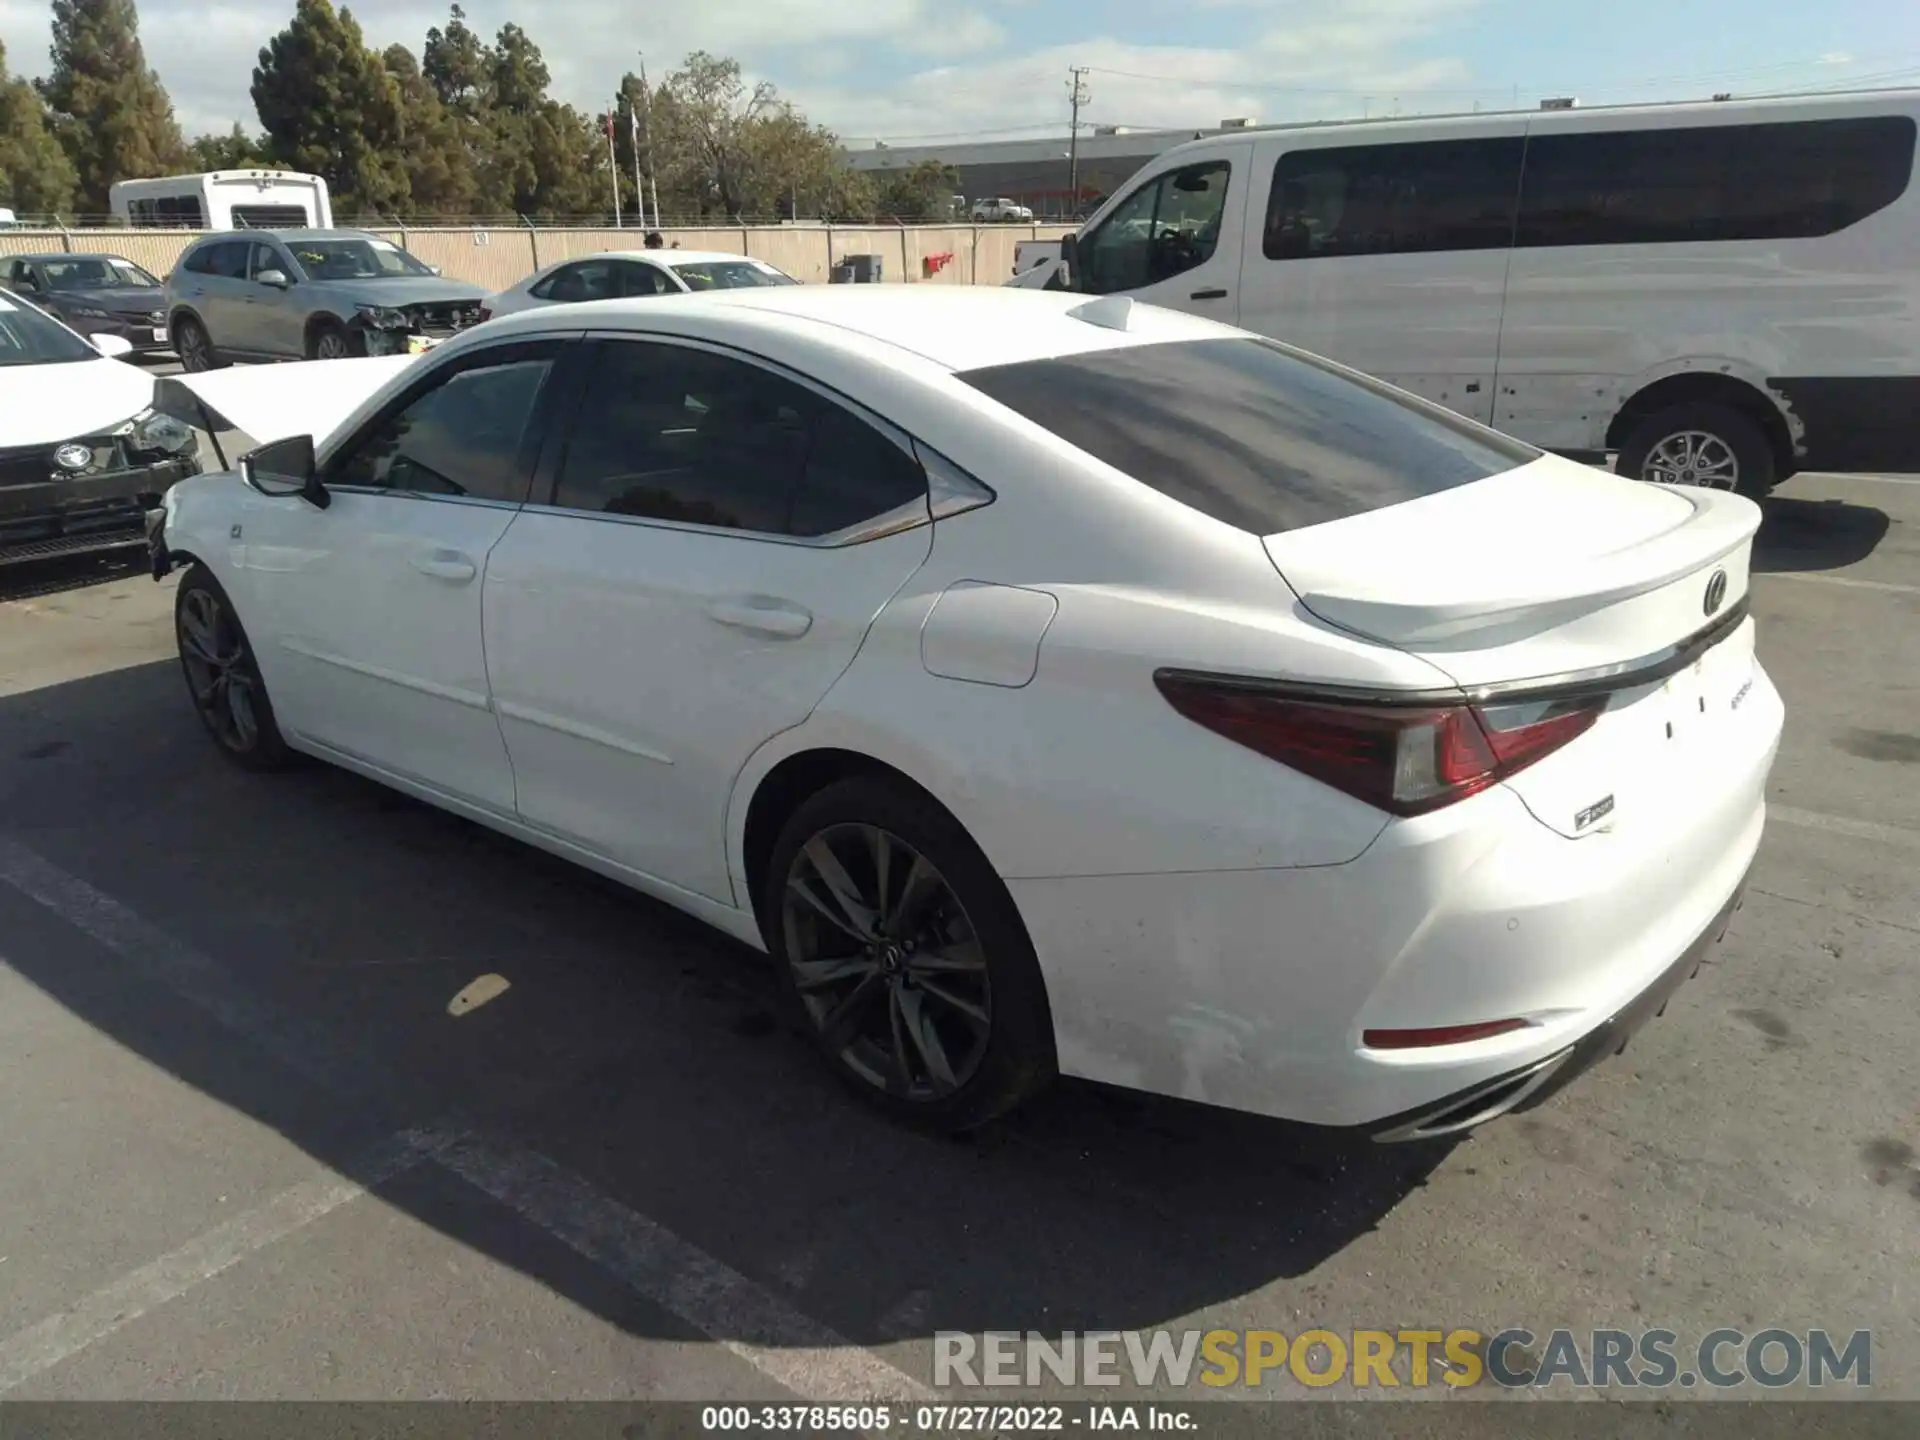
{"x":1703,"y":444}
{"x":223,"y":679}
{"x":920,"y":988}
{"x":194,"y":346}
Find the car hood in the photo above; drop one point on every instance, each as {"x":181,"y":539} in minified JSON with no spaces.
{"x":414,"y":290}
{"x":271,"y":402}
{"x":46,"y":404}
{"x":118,"y":298}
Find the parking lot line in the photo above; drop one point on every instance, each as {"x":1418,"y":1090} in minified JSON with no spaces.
{"x":1843,"y":825}
{"x":742,"y":1316}
{"x":43,"y":1345}
{"x":1846,"y":581}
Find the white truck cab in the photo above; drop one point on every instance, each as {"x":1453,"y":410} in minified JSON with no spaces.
{"x":1717,"y":294}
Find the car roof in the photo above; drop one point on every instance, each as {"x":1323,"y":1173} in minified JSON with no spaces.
{"x":70,"y":255}
{"x":957,"y":327}
{"x":665,"y":257}
{"x":301,"y":232}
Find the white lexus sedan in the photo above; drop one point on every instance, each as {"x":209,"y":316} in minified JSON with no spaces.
{"x":1048,"y":685}
{"x":634,"y":275}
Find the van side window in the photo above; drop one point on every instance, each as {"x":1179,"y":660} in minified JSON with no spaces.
{"x":1426,"y":196}
{"x":1781,"y":181}
{"x":1168,"y":226}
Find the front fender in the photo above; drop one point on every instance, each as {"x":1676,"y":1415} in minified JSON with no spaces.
{"x":203,"y":519}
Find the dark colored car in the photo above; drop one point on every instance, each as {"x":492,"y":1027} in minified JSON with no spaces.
{"x":96,"y":294}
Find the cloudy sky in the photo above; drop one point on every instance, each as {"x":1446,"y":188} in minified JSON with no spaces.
{"x":906,"y":70}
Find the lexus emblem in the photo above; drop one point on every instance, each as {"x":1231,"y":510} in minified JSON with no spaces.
{"x":73,"y":457}
{"x":1716,"y":591}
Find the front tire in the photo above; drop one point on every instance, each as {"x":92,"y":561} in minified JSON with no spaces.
{"x":194,"y":346}
{"x":330,"y":341}
{"x":223,"y":678}
{"x":902,"y":957}
{"x":1714,"y":446}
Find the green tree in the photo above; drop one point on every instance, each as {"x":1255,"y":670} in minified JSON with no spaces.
{"x":36,"y":177}
{"x":433,"y":150}
{"x":923,"y":193}
{"x":330,"y":108}
{"x":454,"y":63}
{"x":110,"y":111}
{"x":236,"y":150}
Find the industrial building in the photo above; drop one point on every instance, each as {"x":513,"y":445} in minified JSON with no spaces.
{"x":1036,"y":172}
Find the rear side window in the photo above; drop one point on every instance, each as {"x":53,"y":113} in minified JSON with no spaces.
{"x":1786,"y":181}
{"x":1249,"y":432}
{"x":1432,"y":195}
{"x":226,"y":259}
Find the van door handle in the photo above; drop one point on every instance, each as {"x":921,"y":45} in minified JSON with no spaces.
{"x":763,"y":615}
{"x":1208,"y":295}
{"x":446,"y":565}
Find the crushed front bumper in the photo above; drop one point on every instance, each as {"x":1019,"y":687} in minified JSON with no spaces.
{"x":85,"y":515}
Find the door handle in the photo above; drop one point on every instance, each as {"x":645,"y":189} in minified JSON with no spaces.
{"x":446,"y":565}
{"x":1208,"y":295}
{"x":763,"y":616}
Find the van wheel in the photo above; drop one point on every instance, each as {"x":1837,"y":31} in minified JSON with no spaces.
{"x":1713,"y":446}
{"x":902,"y":957}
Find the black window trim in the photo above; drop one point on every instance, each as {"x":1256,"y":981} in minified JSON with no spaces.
{"x":541,"y":423}
{"x":951,"y":490}
{"x":1225,"y":160}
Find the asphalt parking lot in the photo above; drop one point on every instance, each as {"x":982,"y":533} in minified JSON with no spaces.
{"x":252,"y":1146}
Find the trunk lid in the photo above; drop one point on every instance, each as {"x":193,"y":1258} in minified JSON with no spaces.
{"x":1559,"y":570}
{"x":1536,"y":572}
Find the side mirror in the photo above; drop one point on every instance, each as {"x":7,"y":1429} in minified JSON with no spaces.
{"x":112,"y":346}
{"x":1069,"y":255}
{"x":276,"y":278}
{"x":434,"y":268}
{"x":285,"y":468}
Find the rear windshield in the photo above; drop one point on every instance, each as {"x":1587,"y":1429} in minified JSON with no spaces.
{"x":1249,"y":432}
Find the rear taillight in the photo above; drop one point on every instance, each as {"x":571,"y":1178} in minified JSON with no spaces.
{"x":1405,"y":759}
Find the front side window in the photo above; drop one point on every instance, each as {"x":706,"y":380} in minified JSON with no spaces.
{"x":672,"y":433}
{"x":265,"y":257}
{"x":1168,"y":226}
{"x":635,"y":280}
{"x":1431,"y":195}
{"x":1716,"y":183}
{"x":469,"y":435}
{"x":356,"y":258}
{"x":1249,"y":432}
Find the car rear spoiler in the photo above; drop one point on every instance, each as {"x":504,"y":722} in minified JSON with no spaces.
{"x":272,"y":402}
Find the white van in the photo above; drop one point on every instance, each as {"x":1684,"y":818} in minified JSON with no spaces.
{"x":224,"y":200}
{"x":1718,"y":293}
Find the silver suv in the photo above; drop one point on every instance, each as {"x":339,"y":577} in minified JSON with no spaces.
{"x":318,"y":294}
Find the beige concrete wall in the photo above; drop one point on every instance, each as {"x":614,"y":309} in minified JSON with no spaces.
{"x":496,"y":258}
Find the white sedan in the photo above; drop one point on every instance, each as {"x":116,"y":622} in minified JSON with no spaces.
{"x":1046,"y":684}
{"x":633,"y":275}
{"x":83,"y":455}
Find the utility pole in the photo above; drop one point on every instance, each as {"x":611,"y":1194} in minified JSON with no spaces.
{"x":1076,"y":97}
{"x":613,"y":163}
{"x":633,"y":135}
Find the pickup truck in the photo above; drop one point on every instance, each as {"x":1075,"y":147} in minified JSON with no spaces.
{"x":993,"y":212}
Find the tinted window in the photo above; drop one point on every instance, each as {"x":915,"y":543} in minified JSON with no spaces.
{"x":1724,"y":182}
{"x":1165,"y":228}
{"x":29,"y":338}
{"x":1249,"y":432}
{"x":227,"y":259}
{"x":269,"y":217}
{"x":668,"y":433}
{"x":355,"y":259}
{"x":265,"y":257}
{"x":634,"y":279}
{"x":1393,"y":199}
{"x":570,"y":284}
{"x":470,"y":435}
{"x":94,"y":272}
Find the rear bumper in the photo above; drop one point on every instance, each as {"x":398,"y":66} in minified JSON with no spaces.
{"x":1536,"y":1083}
{"x":83,"y":516}
{"x":1253,"y":989}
